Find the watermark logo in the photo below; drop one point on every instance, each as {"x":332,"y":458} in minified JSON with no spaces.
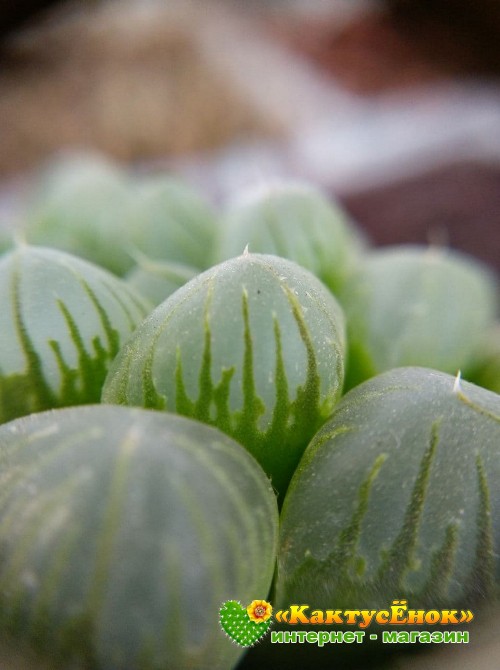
{"x":246,"y":625}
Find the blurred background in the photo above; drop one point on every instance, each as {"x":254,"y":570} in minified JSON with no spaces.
{"x":392,"y":106}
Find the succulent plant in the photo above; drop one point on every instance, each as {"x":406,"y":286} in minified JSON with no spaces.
{"x":416,"y":306}
{"x":121,"y":533}
{"x":295,"y":221}
{"x":397,"y":497}
{"x":485,"y":370}
{"x":82,"y":204}
{"x":254,"y":346}
{"x":62,"y":322}
{"x":156,"y":280}
{"x":173,"y":222}
{"x":86,"y":205}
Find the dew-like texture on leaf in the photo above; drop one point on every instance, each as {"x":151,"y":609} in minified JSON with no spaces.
{"x":122,"y":531}
{"x":295,"y":221}
{"x":62,"y":322}
{"x":254,"y":346}
{"x":417,"y":306}
{"x":397,"y":497}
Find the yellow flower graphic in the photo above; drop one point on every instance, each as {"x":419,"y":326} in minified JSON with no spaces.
{"x":259,"y":611}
